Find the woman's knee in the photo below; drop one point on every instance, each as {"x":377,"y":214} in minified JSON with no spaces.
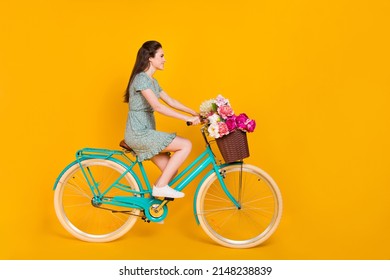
{"x":187,"y":144}
{"x":180,"y":143}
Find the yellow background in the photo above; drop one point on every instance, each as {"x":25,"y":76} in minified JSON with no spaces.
{"x":314,"y":75}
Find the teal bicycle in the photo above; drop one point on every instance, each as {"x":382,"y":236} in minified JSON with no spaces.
{"x":100,"y":196}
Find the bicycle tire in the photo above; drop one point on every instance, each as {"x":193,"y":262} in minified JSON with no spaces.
{"x":245,"y":227}
{"x":73,"y":201}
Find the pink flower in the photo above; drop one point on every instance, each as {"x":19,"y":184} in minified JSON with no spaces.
{"x":251,"y":125}
{"x":225,"y":111}
{"x":241,"y":121}
{"x":220,"y":101}
{"x":223,"y":129}
{"x":231,"y":123}
{"x":245,"y":124}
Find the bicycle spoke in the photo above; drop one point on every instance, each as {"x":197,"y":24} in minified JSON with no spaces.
{"x":79,"y":189}
{"x":78,"y":205}
{"x":217,"y":210}
{"x":225,"y":220}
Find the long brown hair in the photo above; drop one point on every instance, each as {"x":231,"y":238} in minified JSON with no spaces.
{"x":147,"y":51}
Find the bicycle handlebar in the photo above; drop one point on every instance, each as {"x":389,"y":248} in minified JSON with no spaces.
{"x":202,"y":121}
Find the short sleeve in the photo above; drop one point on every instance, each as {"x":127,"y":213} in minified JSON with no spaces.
{"x":142,"y":82}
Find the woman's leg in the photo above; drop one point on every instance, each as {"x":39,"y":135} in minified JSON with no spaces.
{"x":161,"y":161}
{"x":181,"y":148}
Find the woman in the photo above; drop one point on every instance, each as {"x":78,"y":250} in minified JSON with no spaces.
{"x":143,"y":95}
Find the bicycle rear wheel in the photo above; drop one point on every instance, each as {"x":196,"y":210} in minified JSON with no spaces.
{"x":248,"y":225}
{"x":76,"y":206}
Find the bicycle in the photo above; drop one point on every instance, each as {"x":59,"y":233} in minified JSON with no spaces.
{"x":99,"y":197}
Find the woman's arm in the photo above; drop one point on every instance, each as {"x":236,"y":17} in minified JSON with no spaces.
{"x":165,"y":110}
{"x":176,"y":104}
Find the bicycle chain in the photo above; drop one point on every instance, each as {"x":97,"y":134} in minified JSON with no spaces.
{"x":123,"y":212}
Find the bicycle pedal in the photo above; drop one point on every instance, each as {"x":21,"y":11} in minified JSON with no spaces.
{"x":162,"y":198}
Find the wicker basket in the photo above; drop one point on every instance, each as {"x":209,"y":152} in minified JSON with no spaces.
{"x":234,"y":146}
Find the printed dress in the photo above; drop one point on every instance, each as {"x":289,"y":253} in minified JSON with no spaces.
{"x":141,"y":134}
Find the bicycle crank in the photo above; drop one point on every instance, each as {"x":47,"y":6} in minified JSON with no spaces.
{"x":157,"y":210}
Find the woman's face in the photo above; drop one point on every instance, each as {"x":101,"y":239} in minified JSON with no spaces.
{"x":158,"y":60}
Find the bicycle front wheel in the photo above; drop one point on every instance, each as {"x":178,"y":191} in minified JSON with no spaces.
{"x":76,"y":206}
{"x":258,"y":212}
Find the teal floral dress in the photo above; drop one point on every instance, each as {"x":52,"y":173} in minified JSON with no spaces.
{"x":141,"y":134}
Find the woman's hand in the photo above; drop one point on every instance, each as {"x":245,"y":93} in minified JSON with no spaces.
{"x":193,"y":121}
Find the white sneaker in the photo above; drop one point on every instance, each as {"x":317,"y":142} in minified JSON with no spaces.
{"x":166,"y":191}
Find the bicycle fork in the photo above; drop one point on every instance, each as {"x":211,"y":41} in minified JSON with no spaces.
{"x":221,"y":176}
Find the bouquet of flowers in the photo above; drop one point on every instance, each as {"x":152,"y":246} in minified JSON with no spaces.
{"x":221,"y":118}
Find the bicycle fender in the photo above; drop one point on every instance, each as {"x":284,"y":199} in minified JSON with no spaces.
{"x":62,"y":173}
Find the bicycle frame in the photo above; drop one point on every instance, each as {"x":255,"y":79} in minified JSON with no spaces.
{"x":204,"y":160}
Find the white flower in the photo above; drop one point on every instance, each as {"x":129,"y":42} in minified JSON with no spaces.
{"x":213,"y":130}
{"x":214,"y":118}
{"x":206,"y":107}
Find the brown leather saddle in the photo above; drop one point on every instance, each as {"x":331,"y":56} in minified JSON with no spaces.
{"x":125,"y":147}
